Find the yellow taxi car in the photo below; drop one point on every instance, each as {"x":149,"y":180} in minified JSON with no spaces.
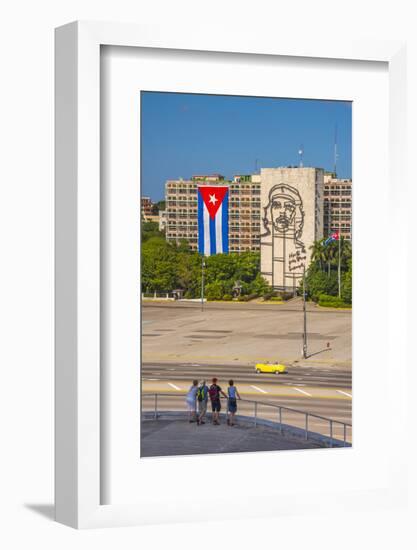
{"x":274,"y":368}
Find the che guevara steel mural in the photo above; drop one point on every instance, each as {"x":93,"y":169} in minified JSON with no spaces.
{"x":283,"y":222}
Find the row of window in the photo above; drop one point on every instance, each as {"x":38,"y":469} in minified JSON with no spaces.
{"x":181,"y":199}
{"x":337,"y":193}
{"x":339,"y":205}
{"x":232,"y":246}
{"x":254,"y":231}
{"x":331,"y":186}
{"x":246,"y":193}
{"x":193,"y":184}
{"x":243,"y":248}
{"x":346,"y":226}
{"x":245,"y":226}
{"x":236,"y":202}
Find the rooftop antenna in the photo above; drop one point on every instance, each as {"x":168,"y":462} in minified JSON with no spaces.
{"x":301,"y":153}
{"x":256,"y":166}
{"x":336,"y":155}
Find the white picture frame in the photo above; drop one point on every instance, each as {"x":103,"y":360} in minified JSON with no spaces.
{"x":78,"y":264}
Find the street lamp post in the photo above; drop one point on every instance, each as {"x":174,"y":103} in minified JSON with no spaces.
{"x":338,"y":268}
{"x":202,"y":283}
{"x":305,"y":315}
{"x":339,"y":237}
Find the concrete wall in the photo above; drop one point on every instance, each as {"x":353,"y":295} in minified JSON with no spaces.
{"x":291,"y":220}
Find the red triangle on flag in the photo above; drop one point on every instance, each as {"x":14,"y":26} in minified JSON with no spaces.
{"x":213,"y":197}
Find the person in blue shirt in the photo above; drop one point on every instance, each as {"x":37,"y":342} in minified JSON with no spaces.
{"x":233,"y":395}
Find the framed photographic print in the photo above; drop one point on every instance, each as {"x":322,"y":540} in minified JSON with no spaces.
{"x":215,"y":200}
{"x":225,"y":261}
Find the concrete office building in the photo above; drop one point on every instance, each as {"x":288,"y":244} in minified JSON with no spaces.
{"x":146,"y":206}
{"x":245,"y":213}
{"x":162,"y":220}
{"x":291,"y":220}
{"x":337,"y":205}
{"x":280,"y":212}
{"x":244,"y":210}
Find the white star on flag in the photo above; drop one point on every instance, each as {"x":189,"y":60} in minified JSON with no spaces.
{"x":213,"y":199}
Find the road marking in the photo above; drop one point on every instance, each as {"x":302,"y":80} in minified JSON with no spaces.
{"x":302,"y":391}
{"x":259,"y":389}
{"x":151,"y":379}
{"x":344,"y":393}
{"x":173,"y":386}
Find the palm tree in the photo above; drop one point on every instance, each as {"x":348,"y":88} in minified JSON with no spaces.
{"x":346,"y":252}
{"x":318,"y":252}
{"x":330,"y":255}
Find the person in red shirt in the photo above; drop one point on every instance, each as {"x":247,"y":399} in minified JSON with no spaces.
{"x":214,"y":393}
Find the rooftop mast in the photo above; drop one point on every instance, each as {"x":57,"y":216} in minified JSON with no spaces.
{"x":335,"y":152}
{"x":301,"y":153}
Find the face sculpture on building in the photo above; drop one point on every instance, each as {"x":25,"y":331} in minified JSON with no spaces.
{"x":282,"y":212}
{"x":283,"y":215}
{"x":283,"y":221}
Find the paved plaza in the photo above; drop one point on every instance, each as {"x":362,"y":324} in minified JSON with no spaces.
{"x":179,"y":437}
{"x":245,"y":333}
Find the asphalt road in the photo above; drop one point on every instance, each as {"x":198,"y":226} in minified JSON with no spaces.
{"x":186,"y":372}
{"x":309,"y":390}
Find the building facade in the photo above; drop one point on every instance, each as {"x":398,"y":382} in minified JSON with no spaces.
{"x":146,"y":207}
{"x":337,"y":206}
{"x":162,"y":220}
{"x":279,"y":212}
{"x":244,"y":210}
{"x":245,"y":213}
{"x":291,"y":220}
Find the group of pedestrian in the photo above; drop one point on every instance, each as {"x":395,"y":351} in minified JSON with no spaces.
{"x":197,"y":401}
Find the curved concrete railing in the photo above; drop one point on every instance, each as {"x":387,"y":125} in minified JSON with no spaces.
{"x":155,"y":412}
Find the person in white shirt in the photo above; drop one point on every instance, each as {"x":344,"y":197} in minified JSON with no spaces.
{"x":190,"y":401}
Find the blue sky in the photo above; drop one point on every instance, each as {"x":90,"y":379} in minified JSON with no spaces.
{"x":186,"y":134}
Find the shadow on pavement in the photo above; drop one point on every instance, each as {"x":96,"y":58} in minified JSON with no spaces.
{"x":45,"y":510}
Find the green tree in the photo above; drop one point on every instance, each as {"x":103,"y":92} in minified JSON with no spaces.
{"x":346,"y":293}
{"x":150,"y":230}
{"x":188,"y":269}
{"x":318,"y":282}
{"x":214,"y":290}
{"x":259,"y":286}
{"x":158,"y":266}
{"x":328,"y":255}
{"x":318,"y":252}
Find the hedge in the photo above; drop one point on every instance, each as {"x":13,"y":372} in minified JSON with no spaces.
{"x":332,"y":301}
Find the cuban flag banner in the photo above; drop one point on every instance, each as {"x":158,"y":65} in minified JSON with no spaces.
{"x":333,"y":237}
{"x":213,"y":219}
